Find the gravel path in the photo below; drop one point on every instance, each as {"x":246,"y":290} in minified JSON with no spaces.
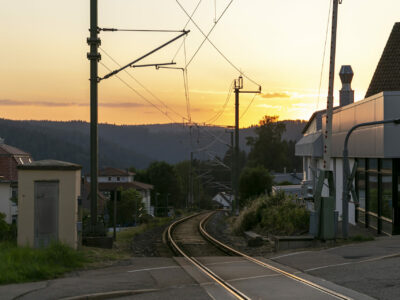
{"x":218,"y":227}
{"x":150,"y":243}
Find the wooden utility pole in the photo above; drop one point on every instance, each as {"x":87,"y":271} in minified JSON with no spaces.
{"x":94,"y":57}
{"x":329,"y":108}
{"x":325,"y":205}
{"x":238,"y":86}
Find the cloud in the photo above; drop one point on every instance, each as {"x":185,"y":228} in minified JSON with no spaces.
{"x":7,"y":102}
{"x":275,"y":95}
{"x":278,"y":107}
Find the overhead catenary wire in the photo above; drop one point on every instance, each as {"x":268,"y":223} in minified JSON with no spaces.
{"x":208,"y":34}
{"x":214,"y":118}
{"x":140,"y":95}
{"x":166,"y":107}
{"x":248,"y":106}
{"x":139,"y":30}
{"x":184,"y":27}
{"x":215,"y":47}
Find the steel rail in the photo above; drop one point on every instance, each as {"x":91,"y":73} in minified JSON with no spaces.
{"x":210,"y":238}
{"x":236,"y":293}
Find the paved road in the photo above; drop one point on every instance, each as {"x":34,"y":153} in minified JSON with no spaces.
{"x":371,"y":268}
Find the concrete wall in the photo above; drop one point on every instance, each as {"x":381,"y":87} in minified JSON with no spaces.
{"x":69,"y":190}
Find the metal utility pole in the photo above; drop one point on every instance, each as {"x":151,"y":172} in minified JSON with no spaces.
{"x":94,"y":57}
{"x":238,"y":86}
{"x":191,"y":180}
{"x":115,"y":215}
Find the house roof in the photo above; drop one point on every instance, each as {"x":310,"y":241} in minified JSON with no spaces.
{"x":387,"y":73}
{"x":10,"y":150}
{"x":10,"y":158}
{"x":50,"y":164}
{"x":109,"y":186}
{"x":115,"y":172}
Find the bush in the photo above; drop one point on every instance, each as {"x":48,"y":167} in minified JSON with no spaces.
{"x":8,"y":232}
{"x":277,"y":214}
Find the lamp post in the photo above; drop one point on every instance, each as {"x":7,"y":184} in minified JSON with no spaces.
{"x":346,"y":172}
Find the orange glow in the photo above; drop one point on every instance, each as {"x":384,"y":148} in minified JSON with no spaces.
{"x":44,"y":74}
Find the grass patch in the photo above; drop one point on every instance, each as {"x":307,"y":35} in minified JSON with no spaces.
{"x":22,"y":264}
{"x":25,"y":264}
{"x":122,"y":247}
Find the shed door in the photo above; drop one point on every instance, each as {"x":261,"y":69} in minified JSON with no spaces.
{"x":46,"y":212}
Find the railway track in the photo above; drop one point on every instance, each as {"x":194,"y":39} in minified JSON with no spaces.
{"x":189,"y":238}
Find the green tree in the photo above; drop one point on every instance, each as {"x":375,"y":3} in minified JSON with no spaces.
{"x":164,"y":178}
{"x":129,"y":207}
{"x":267,"y":148}
{"x":254,"y":182}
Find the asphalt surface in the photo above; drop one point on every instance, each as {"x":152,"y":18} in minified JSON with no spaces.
{"x":372,"y":268}
{"x":369,"y":268}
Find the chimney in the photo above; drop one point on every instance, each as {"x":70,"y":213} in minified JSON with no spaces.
{"x":346,"y":93}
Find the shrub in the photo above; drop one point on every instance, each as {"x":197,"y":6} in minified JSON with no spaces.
{"x":8,"y":232}
{"x":277,"y":214}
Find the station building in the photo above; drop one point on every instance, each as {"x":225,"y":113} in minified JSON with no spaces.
{"x":376,"y":149}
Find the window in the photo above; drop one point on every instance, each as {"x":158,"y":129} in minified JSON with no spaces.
{"x":118,"y":179}
{"x":109,"y":178}
{"x":387,"y":196}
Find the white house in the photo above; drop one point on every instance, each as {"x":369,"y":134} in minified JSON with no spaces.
{"x":10,"y":158}
{"x":224,"y":199}
{"x":111,"y":179}
{"x":375,"y":148}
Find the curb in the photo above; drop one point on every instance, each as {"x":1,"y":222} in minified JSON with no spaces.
{"x":110,"y":295}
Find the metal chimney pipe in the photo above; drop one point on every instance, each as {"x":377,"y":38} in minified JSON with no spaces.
{"x":346,"y":93}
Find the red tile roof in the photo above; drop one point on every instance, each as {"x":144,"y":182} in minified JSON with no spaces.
{"x":109,"y":186}
{"x":10,"y":159}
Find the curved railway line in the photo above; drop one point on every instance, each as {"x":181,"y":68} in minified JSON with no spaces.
{"x":188,"y":238}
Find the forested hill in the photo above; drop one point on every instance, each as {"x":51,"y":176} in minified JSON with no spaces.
{"x":124,"y":146}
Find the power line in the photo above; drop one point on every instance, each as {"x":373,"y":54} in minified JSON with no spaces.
{"x":219,"y":113}
{"x":248,"y":106}
{"x":142,"y":85}
{"x":188,"y":21}
{"x":215,"y":47}
{"x":208,"y":34}
{"x":323,"y":56}
{"x":140,"y":95}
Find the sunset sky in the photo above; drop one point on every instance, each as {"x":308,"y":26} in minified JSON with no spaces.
{"x":44,"y":71}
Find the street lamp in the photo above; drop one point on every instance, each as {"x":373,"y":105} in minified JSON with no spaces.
{"x":346,"y":172}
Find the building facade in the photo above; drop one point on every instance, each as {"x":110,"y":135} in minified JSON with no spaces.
{"x":10,"y":159}
{"x":374,"y":149}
